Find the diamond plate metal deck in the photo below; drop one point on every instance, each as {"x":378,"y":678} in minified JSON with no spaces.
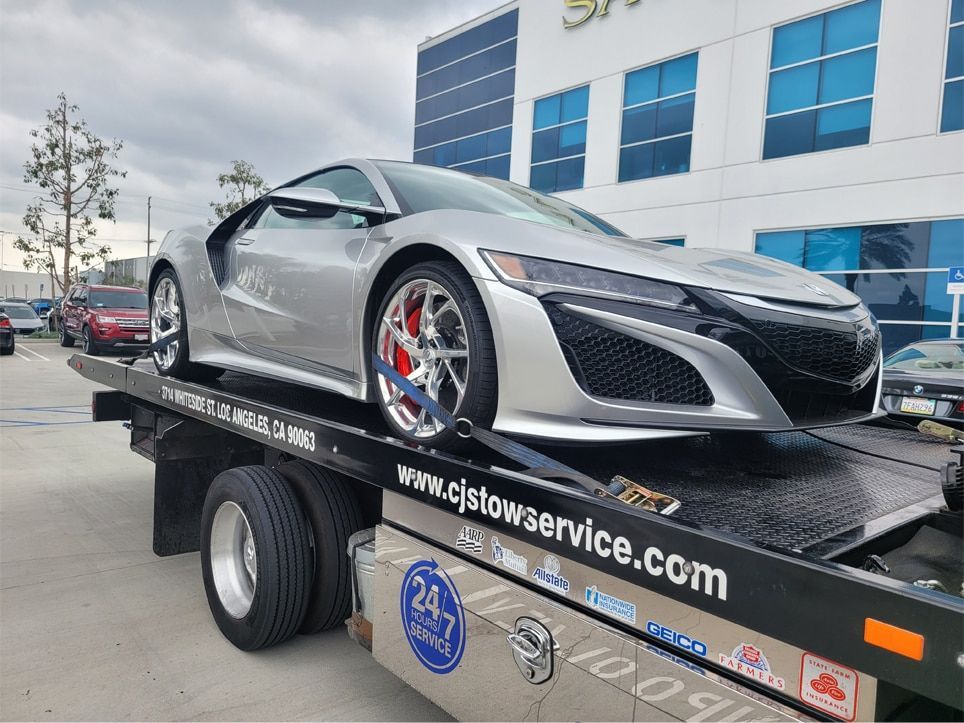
{"x":792,"y":490}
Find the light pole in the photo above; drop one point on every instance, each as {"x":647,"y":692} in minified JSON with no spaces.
{"x":147,"y":260}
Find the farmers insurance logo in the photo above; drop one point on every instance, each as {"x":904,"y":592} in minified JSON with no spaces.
{"x":749,"y":661}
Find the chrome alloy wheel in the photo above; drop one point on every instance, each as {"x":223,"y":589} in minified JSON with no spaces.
{"x":423,"y":336}
{"x":165,"y":321}
{"x":234,"y":559}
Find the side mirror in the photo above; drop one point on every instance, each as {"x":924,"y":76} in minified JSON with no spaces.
{"x":306,"y":202}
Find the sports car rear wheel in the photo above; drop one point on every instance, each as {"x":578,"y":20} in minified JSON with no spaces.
{"x":433,"y":330}
{"x":168,"y":324}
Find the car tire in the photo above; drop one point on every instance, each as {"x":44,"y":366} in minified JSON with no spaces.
{"x":65,"y":338}
{"x":8,"y":351}
{"x":90,"y":346}
{"x":177,"y":364}
{"x":333,"y":514}
{"x":251,"y":520}
{"x":480,"y":380}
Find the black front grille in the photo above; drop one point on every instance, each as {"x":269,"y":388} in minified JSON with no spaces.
{"x":836,"y":354}
{"x":608,"y":364}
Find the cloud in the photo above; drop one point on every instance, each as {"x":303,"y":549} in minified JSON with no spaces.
{"x":191,"y":86}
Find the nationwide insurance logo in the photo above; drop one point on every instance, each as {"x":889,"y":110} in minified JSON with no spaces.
{"x":611,"y":605}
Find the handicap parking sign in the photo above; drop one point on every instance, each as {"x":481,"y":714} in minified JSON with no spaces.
{"x":955,"y":280}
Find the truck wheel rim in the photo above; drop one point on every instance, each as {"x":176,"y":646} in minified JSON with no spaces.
{"x":423,"y":336}
{"x":165,"y":321}
{"x":234,"y":559}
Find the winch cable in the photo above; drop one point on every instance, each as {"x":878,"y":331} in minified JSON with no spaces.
{"x":858,"y":450}
{"x":536,"y":463}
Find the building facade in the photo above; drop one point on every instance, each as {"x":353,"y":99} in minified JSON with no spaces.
{"x":824,"y":133}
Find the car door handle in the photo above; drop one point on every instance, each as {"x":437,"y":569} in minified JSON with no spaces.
{"x":245,"y":241}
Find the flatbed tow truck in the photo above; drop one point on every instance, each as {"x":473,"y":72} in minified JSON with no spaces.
{"x":805,"y":575}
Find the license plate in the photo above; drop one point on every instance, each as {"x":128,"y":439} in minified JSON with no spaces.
{"x":917,"y":405}
{"x":140,"y":337}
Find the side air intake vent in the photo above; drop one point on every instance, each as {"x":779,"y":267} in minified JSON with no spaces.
{"x":608,"y":364}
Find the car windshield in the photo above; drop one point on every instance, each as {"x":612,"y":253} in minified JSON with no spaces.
{"x":928,"y":358}
{"x":118,"y":300}
{"x":427,"y":188}
{"x":19,"y":312}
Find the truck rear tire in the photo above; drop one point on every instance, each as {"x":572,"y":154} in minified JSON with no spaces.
{"x":333,"y":512}
{"x":255,"y":557}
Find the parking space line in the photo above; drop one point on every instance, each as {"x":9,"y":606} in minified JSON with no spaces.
{"x":27,"y":348}
{"x":25,"y":358}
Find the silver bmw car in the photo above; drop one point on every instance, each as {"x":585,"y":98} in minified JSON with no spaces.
{"x":510,"y":308}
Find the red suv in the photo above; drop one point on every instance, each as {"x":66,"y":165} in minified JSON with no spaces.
{"x":104,"y":317}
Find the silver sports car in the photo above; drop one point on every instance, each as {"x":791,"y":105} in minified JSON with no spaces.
{"x":515,"y":310}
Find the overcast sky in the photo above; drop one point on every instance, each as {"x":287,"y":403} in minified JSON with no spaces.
{"x":191,"y":85}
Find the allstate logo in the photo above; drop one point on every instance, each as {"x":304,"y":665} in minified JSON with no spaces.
{"x":433,"y":617}
{"x":548,"y":575}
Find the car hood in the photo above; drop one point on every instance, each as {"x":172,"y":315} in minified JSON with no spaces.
{"x":727,"y":271}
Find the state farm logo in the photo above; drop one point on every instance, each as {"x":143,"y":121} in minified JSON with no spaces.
{"x":828,"y":686}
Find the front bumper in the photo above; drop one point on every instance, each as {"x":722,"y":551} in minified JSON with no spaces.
{"x":722,"y":384}
{"x":115,"y":336}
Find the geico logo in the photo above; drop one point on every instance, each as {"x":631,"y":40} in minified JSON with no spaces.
{"x":684,"y":642}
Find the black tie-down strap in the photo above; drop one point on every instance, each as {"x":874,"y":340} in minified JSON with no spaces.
{"x":536,"y":463}
{"x":161,"y":343}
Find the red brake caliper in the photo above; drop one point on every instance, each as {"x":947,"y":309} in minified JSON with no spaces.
{"x":403,"y":362}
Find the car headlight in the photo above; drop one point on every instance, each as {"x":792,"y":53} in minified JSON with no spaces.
{"x":540,"y":277}
{"x":106,"y":319}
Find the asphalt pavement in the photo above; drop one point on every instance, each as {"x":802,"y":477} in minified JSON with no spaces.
{"x":94,"y":626}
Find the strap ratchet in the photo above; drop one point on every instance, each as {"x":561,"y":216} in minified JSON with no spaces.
{"x":537,"y":464}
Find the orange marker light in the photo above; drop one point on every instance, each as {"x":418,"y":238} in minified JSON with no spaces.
{"x":896,"y":640}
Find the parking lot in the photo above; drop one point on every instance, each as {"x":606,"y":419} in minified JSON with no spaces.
{"x":94,"y":626}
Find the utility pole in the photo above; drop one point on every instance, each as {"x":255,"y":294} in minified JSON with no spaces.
{"x":147,"y":261}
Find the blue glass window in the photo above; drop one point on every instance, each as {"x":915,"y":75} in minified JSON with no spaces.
{"x":559,"y":140}
{"x":490,"y":61}
{"x":816,"y":63}
{"x":671,"y":241}
{"x":471,"y":41}
{"x":488,"y":117}
{"x":952,"y":108}
{"x":784,"y":245}
{"x":464,"y":98}
{"x":495,"y":87}
{"x":893,"y":289}
{"x":658,"y":106}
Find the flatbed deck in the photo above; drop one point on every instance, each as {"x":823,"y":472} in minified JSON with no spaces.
{"x":792,"y":490}
{"x":763,"y":512}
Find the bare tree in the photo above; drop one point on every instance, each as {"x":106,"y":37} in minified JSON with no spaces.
{"x":73,"y":167}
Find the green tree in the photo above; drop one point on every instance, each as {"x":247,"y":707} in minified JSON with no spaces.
{"x":243,"y":185}
{"x":73,"y":167}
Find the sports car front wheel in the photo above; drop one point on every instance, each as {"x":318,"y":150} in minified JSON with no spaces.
{"x":169,"y":324}
{"x":433,"y":330}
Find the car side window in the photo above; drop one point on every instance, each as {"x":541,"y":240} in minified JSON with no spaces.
{"x":349,"y":184}
{"x":80,"y":297}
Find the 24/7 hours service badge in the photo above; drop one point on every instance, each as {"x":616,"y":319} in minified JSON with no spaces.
{"x":433,"y":617}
